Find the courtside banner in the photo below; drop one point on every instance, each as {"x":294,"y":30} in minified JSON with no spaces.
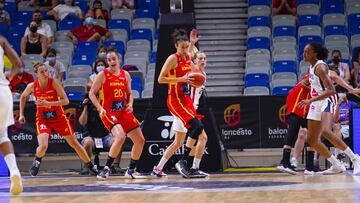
{"x":159,"y":135}
{"x":272,"y":120}
{"x":238,"y":120}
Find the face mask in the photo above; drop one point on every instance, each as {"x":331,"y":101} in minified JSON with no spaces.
{"x":89,"y":20}
{"x":21,"y":71}
{"x":33,"y":29}
{"x":336,"y":59}
{"x":51,"y":59}
{"x":102,"y":55}
{"x":37,"y":20}
{"x":68,"y":2}
{"x":100,"y":68}
{"x":2,"y":6}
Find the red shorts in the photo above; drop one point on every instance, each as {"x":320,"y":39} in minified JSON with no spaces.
{"x":127,"y":120}
{"x":183,"y":108}
{"x":60,"y":125}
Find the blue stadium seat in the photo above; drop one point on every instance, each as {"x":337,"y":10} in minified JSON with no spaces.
{"x":304,"y":40}
{"x":281,"y":90}
{"x":23,"y":16}
{"x":156,"y":34}
{"x":67,"y":24}
{"x":3,"y":29}
{"x":75,"y":95}
{"x":151,"y":4}
{"x":10,"y":7}
{"x":259,"y":2}
{"x":259,"y":21}
{"x":332,"y":6}
{"x":118,"y":44}
{"x":136,"y":84}
{"x":354,"y":23}
{"x":86,"y":47}
{"x":146,"y":13}
{"x":18,"y":26}
{"x":83,"y":59}
{"x":258,"y":43}
{"x":153,"y":57}
{"x":257,"y":79}
{"x":83,"y":4}
{"x":284,"y":66}
{"x":335,"y":30}
{"x":141,"y":34}
{"x":298,"y":2}
{"x":119,"y":24}
{"x":14,"y":36}
{"x":284,"y":31}
{"x":309,"y":20}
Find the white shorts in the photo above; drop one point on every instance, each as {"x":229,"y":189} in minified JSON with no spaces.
{"x":316,"y":108}
{"x":178,"y":125}
{"x":6,"y":108}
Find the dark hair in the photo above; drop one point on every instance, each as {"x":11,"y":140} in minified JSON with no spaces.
{"x":50,"y":50}
{"x":37,"y":65}
{"x":336,"y":51}
{"x":96,"y":62}
{"x":179,"y":35}
{"x":100,"y":47}
{"x":320,"y":50}
{"x":355,"y":54}
{"x":37,"y":11}
{"x":97,"y":2}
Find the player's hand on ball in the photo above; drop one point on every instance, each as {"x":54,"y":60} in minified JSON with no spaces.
{"x":22,"y":120}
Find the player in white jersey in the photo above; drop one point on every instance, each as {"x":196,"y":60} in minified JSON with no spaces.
{"x":6,"y":114}
{"x":318,"y":121}
{"x":181,"y":130}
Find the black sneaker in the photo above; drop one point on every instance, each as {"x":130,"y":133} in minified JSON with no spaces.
{"x":287,"y":168}
{"x":94,"y":171}
{"x":195,"y":173}
{"x":34,"y":170}
{"x":205,"y":174}
{"x":181,"y":167}
{"x":104,"y":174}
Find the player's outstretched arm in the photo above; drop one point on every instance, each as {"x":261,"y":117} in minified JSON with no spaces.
{"x":28,"y":90}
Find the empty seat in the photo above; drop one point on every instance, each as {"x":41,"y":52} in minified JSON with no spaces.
{"x":119,"y":24}
{"x":335,"y":30}
{"x":258,"y":55}
{"x":258,"y":43}
{"x":281,"y":90}
{"x":284,"y":31}
{"x":29,"y":59}
{"x":284,"y":66}
{"x":119,"y":45}
{"x":284,"y":82}
{"x":119,"y":35}
{"x":333,"y":19}
{"x":312,"y":30}
{"x":283,"y":20}
{"x":284,"y":41}
{"x":256,"y":79}
{"x":258,"y":31}
{"x":336,"y":40}
{"x":259,"y":21}
{"x":309,"y":20}
{"x":147,"y":23}
{"x":286,"y":54}
{"x":256,"y":90}
{"x":259,"y":10}
{"x":332,"y":6}
{"x":138,"y":45}
{"x":121,"y":14}
{"x":308,"y":9}
{"x":84,"y":68}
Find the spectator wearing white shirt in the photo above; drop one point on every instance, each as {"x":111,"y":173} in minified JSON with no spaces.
{"x":62,"y":10}
{"x":342,"y":68}
{"x":56,"y":68}
{"x":43,"y":27}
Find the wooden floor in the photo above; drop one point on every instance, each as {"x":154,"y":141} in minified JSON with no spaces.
{"x":242,"y":187}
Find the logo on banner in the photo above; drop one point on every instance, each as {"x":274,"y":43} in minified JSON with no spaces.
{"x":167,"y":132}
{"x":71,"y":114}
{"x":282,"y":114}
{"x":232,"y":115}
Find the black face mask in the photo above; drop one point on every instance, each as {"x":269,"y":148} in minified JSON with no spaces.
{"x":33,"y":29}
{"x":37,"y":20}
{"x":336,"y":60}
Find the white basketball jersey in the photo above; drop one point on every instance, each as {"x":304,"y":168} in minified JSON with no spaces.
{"x":3,"y":80}
{"x":317,"y":86}
{"x":196,"y":94}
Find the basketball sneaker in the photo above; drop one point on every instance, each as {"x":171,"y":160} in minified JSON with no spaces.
{"x":202,"y":172}
{"x":287,"y":168}
{"x":293,"y":162}
{"x":334,"y":169}
{"x":104,"y":174}
{"x":133,"y":174}
{"x":356,"y":163}
{"x":158,"y":172}
{"x":16,"y":186}
{"x":34,"y":170}
{"x":195,"y":173}
{"x":94,"y":171}
{"x":181,"y":167}
{"x":311,"y":170}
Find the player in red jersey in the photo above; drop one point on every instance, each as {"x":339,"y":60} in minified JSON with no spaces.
{"x":174,"y":73}
{"x":50,"y":97}
{"x":115,"y":106}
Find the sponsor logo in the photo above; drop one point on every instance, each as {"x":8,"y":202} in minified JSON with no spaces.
{"x":282,"y":114}
{"x":167,"y":132}
{"x":232,"y":115}
{"x":71,"y":114}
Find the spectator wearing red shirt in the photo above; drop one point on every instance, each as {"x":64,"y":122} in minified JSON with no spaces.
{"x":19,"y":82}
{"x":284,"y":7}
{"x":89,"y":32}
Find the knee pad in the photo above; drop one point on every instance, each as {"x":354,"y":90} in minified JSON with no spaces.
{"x":4,"y":138}
{"x":196,"y":127}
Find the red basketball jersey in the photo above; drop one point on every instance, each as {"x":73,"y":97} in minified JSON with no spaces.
{"x":296,"y":94}
{"x":113,"y":91}
{"x":182,"y":69}
{"x":48,"y":94}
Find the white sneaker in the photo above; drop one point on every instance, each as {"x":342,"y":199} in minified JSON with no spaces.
{"x":309,"y":173}
{"x":133,"y":174}
{"x":293,"y":162}
{"x":16,"y":186}
{"x":334,"y":169}
{"x":356,"y":163}
{"x":287,"y":169}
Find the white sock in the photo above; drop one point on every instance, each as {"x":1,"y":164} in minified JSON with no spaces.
{"x":333,"y":160}
{"x":162,"y":163}
{"x":11,"y":163}
{"x":196,"y":163}
{"x":349,"y":153}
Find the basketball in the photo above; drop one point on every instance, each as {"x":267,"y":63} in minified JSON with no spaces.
{"x":197,"y":78}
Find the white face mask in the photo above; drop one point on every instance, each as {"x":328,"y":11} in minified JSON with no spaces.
{"x":100,"y":68}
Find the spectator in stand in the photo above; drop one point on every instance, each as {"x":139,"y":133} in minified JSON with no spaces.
{"x":98,"y":12}
{"x":356,"y":66}
{"x":99,"y":65}
{"x":43,"y":28}
{"x":284,"y":7}
{"x":101,"y":52}
{"x":4,"y":15}
{"x":56,"y":68}
{"x":19,"y":81}
{"x":68,"y":9}
{"x":89,"y":32}
{"x":33,"y":43}
{"x":130,"y":4}
{"x":44,"y":4}
{"x":340,"y":67}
